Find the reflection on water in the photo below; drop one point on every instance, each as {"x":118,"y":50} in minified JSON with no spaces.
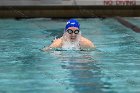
{"x":84,"y":72}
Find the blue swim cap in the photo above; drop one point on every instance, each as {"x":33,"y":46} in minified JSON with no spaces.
{"x":72,"y":23}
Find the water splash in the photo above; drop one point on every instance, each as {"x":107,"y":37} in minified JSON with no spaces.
{"x":71,"y":46}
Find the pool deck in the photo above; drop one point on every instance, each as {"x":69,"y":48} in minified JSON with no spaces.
{"x":68,"y":11}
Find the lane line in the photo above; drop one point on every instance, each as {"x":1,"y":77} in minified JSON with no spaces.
{"x":128,"y":24}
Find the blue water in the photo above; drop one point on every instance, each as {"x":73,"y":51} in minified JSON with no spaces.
{"x":135,"y":20}
{"x":114,"y":67}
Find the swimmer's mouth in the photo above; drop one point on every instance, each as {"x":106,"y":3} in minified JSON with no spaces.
{"x":73,"y":37}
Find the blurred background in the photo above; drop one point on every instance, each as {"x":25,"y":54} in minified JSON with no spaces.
{"x":68,"y":8}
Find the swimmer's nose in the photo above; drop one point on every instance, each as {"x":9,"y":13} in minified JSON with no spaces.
{"x":73,"y":34}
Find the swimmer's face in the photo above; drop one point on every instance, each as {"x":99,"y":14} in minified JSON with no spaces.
{"x":72,"y":33}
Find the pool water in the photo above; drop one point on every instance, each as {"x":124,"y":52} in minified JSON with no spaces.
{"x":114,"y":67}
{"x":135,"y":20}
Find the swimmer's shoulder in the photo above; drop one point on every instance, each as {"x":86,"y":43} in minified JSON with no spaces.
{"x":84,"y":42}
{"x":57,"y":43}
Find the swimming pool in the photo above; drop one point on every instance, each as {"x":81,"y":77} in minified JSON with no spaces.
{"x":135,"y":20}
{"x":112,"y":68}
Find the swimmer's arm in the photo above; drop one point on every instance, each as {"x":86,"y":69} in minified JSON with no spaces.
{"x":46,"y":49}
{"x":93,"y":46}
{"x":85,"y":43}
{"x":90,"y":44}
{"x":56,"y":44}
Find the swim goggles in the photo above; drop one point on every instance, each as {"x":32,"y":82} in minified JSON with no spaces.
{"x":71,"y":31}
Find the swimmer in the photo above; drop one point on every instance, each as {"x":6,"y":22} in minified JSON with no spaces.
{"x":72,"y":38}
